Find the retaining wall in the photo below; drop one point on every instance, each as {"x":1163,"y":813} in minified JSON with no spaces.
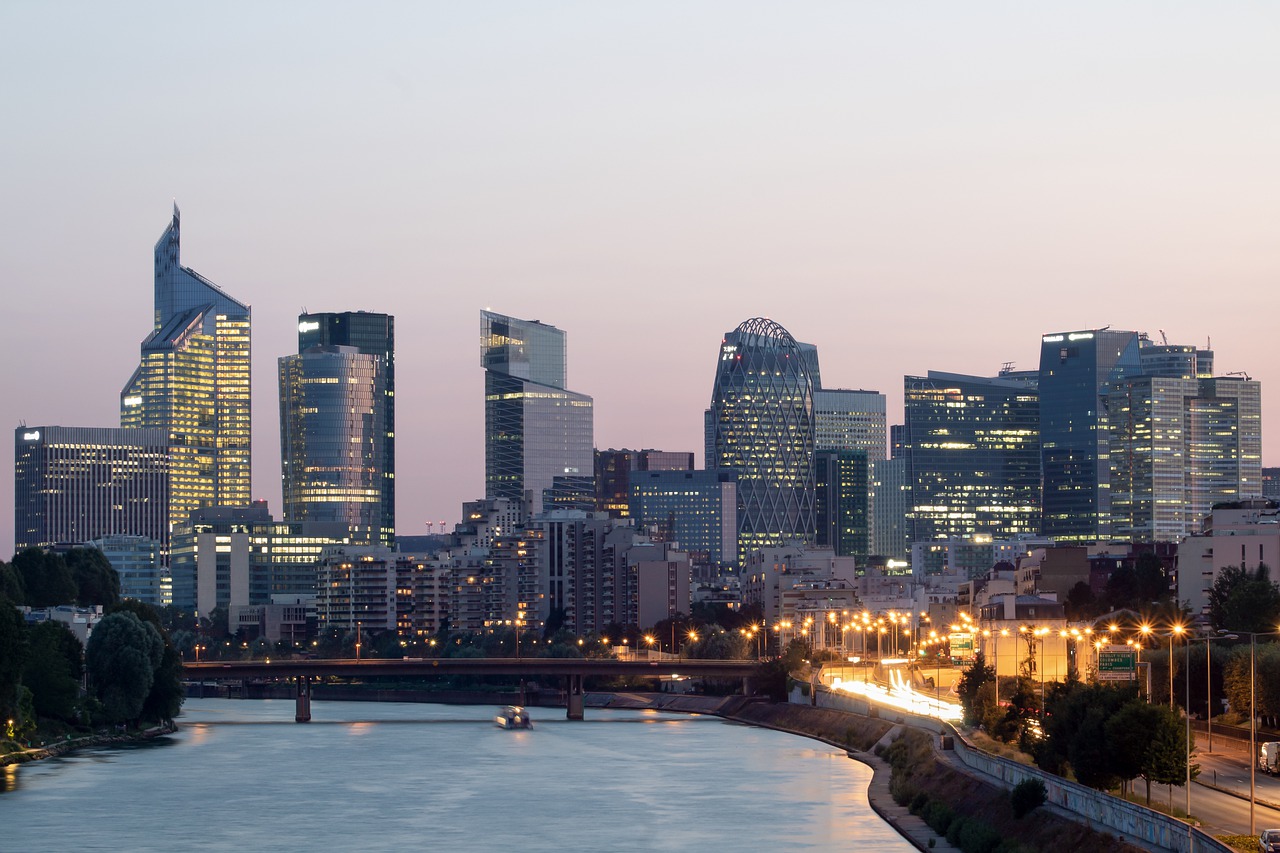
{"x":1098,"y":808}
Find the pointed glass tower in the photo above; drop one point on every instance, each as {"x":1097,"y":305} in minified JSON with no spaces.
{"x":193,"y":382}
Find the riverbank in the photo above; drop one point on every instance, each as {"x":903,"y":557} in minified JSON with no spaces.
{"x":64,"y":746}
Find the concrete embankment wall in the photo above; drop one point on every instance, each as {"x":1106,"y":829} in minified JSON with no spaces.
{"x":1098,"y":808}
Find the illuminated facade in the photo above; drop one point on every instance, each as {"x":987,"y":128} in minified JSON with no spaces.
{"x":1179,"y":444}
{"x":193,"y":383}
{"x":370,"y":333}
{"x":332,"y":440}
{"x":696,"y":509}
{"x":1075,"y":370}
{"x":850,"y":420}
{"x":841,"y":502}
{"x":761,"y":426}
{"x":614,"y":469}
{"x":74,"y":484}
{"x":973,"y":455}
{"x":535,"y":429}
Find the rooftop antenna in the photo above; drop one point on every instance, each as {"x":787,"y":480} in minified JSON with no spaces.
{"x":1006,"y":368}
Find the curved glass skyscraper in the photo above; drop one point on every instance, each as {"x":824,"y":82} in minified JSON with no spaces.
{"x":761,"y":426}
{"x":332,"y":430}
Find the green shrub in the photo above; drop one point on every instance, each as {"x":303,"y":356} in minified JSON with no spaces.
{"x":939,"y":816}
{"x":977,"y":837}
{"x":901,"y":789}
{"x":918,"y":803}
{"x":1027,"y":795}
{"x":953,"y":831}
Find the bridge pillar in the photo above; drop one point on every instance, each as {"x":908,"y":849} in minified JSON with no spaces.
{"x":574,"y":696}
{"x":748,"y":686}
{"x":302,"y":700}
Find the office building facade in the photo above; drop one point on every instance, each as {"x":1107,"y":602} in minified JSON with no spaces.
{"x":696,"y":509}
{"x":841,"y":504}
{"x":75,"y":484}
{"x":535,"y":428}
{"x":613,"y":474}
{"x":193,"y":382}
{"x":850,"y":420}
{"x":333,"y":438}
{"x":760,"y":425}
{"x":371,"y":334}
{"x":973,"y":456}
{"x":1076,"y":369}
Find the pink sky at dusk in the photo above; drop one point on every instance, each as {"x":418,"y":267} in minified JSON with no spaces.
{"x":907,"y":186}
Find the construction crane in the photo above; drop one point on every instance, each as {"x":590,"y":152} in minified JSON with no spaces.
{"x":1164,"y":341}
{"x":1247,"y":377}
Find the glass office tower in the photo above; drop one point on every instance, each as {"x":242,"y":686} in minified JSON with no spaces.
{"x":372,"y":334}
{"x":841,"y":503}
{"x":332,"y":436}
{"x":761,"y":426}
{"x":193,"y":383}
{"x":535,"y":430}
{"x":972,"y":446}
{"x":1075,"y":369}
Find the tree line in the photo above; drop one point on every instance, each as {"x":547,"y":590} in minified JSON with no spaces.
{"x":129,"y":673}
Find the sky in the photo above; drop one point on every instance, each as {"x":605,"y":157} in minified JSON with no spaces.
{"x":909,"y":186}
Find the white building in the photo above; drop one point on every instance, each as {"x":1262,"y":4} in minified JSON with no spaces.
{"x":1246,"y":536}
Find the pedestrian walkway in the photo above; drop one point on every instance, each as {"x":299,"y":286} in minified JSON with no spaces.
{"x":911,"y":827}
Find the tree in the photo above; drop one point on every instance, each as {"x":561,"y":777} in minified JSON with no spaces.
{"x":53,"y":670}
{"x":1241,"y":600}
{"x":1150,"y":581}
{"x":1080,"y":600}
{"x":96,"y":581}
{"x":123,"y":655}
{"x":46,"y":580}
{"x":969,"y":687}
{"x":1129,"y":735}
{"x":13,"y":656}
{"x":11,"y":584}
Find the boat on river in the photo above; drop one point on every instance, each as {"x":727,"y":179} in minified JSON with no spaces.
{"x":513,"y":717}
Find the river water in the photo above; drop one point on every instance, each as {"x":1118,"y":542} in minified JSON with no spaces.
{"x":240,"y":774}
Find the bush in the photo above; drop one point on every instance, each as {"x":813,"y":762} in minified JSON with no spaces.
{"x":902,"y":790}
{"x":919,"y":802}
{"x":953,"y":831}
{"x":939,"y":816}
{"x":977,"y":837}
{"x":1027,"y":795}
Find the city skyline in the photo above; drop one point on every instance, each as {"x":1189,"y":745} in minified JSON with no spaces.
{"x":937,"y":201}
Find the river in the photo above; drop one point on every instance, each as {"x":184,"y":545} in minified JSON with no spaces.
{"x":240,"y":774}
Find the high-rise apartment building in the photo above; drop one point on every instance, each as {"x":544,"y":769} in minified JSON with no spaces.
{"x":76,"y":484}
{"x":535,"y":429}
{"x":760,"y":425}
{"x":1075,"y":371}
{"x":333,"y":438}
{"x":193,"y":383}
{"x":373,"y":334}
{"x":973,"y":455}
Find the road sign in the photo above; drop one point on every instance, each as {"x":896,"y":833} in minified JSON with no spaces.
{"x":1117,"y":663}
{"x":962,"y":645}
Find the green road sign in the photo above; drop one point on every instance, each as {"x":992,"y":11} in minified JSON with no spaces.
{"x":1117,"y":663}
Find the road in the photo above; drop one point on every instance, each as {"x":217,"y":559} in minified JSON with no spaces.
{"x":1224,"y":813}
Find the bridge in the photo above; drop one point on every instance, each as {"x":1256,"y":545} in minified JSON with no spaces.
{"x":573,"y":670}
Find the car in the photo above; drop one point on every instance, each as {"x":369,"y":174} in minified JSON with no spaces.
{"x":1270,"y":840}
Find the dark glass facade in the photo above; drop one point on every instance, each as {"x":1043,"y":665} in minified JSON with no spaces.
{"x":613,"y":474}
{"x":332,"y":436}
{"x":972,"y":447}
{"x":75,"y":484}
{"x":840,"y":502}
{"x":697,"y":509}
{"x":372,"y":334}
{"x":760,"y":425}
{"x":1075,"y":369}
{"x":535,"y":429}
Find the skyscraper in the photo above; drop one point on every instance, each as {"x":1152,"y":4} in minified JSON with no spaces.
{"x":842,"y":502}
{"x":535,"y":430}
{"x":973,"y":455}
{"x":372,"y":334}
{"x":760,"y":425}
{"x":1075,"y":369}
{"x":1181,"y":441}
{"x":333,"y":438}
{"x":193,"y":383}
{"x":615,"y":467}
{"x":850,"y":420}
{"x":76,"y":484}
